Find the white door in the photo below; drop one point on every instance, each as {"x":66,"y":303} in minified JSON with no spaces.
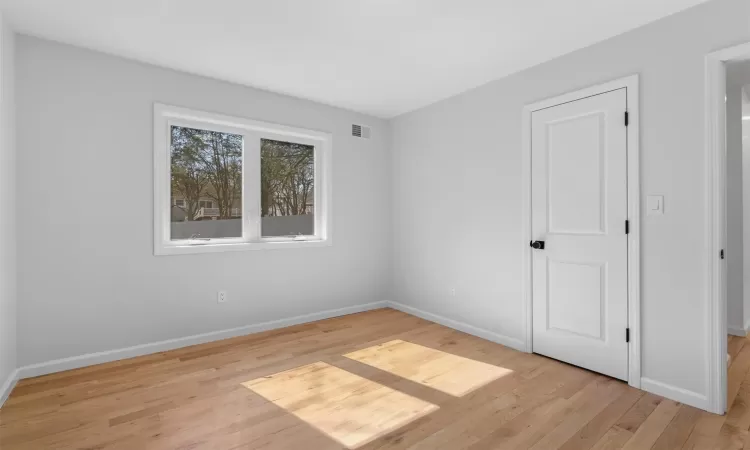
{"x":579,"y":209}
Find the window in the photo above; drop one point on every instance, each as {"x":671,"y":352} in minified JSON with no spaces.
{"x":237,"y":184}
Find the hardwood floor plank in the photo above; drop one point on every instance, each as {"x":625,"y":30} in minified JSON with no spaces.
{"x":678,"y":430}
{"x":580,"y":415}
{"x":738,"y":415}
{"x":598,"y":427}
{"x":614,"y":439}
{"x":736,"y":373}
{"x":734,"y":345}
{"x":705,"y":432}
{"x":439,"y":370}
{"x":731,"y":438}
{"x":150,"y":411}
{"x":635,"y":416}
{"x":653,"y":426}
{"x":459,"y":424}
{"x":350,"y":409}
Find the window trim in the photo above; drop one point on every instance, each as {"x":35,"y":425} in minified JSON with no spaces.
{"x":165,"y":116}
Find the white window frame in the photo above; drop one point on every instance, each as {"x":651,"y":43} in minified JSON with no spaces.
{"x":253,"y":131}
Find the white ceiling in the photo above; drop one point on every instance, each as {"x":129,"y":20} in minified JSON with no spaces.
{"x":381,"y":57}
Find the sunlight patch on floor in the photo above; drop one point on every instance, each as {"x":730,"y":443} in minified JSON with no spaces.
{"x":348,"y":408}
{"x":446,"y":372}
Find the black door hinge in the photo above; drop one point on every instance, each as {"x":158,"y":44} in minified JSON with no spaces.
{"x":721,"y":254}
{"x":627,"y":227}
{"x":627,"y":118}
{"x":627,"y":334}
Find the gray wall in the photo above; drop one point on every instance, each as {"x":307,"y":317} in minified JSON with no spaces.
{"x":271,"y":226}
{"x":88,"y":280}
{"x":738,"y":74}
{"x":464,"y":154}
{"x":8,"y":207}
{"x":746,"y":198}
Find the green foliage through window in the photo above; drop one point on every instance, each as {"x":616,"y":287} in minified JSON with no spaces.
{"x":206,"y":164}
{"x":287,"y":178}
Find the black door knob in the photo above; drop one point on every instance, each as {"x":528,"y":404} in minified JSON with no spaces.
{"x":539,"y":245}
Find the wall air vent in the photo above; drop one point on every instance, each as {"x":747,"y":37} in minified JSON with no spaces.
{"x":360,"y":131}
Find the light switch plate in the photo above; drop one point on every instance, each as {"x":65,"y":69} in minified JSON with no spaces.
{"x":654,"y":205}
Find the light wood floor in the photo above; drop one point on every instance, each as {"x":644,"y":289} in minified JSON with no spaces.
{"x":376,"y":380}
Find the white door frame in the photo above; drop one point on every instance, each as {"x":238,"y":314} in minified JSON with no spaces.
{"x":716,"y":306}
{"x":633,"y":168}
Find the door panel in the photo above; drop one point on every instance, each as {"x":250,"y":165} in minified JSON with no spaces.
{"x":575,"y":300}
{"x":575,"y":204}
{"x":579,"y":208}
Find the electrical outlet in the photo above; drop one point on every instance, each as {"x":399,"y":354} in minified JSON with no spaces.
{"x":453,"y":292}
{"x":221,"y":296}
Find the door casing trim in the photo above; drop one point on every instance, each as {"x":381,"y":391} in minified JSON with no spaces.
{"x":715,"y":222}
{"x":631,"y":84}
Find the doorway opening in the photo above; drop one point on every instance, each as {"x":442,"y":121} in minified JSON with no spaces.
{"x":728,"y":320}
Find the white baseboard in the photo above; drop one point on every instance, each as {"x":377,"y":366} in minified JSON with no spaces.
{"x":673,"y":392}
{"x":507,"y":341}
{"x":8,"y":386}
{"x":735,"y":331}
{"x":665,"y":390}
{"x":90,"y":359}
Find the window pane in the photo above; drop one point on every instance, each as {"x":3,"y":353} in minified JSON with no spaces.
{"x":206,"y":175}
{"x":287,"y":189}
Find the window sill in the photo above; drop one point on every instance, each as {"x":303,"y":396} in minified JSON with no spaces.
{"x":163,"y":250}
